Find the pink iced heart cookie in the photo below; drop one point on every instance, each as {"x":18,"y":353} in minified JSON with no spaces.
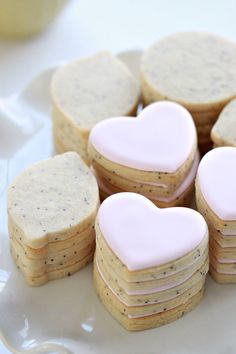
{"x":217,"y":181}
{"x":154,"y":155}
{"x":216,"y":200}
{"x":147,"y":143}
{"x":149,"y":256}
{"x":144,"y":236}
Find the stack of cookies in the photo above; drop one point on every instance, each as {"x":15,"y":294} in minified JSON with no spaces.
{"x":197,"y":70}
{"x":215,"y":197}
{"x":52,"y":208}
{"x":150,"y":264}
{"x":224,"y":130}
{"x":87,"y":91}
{"x":154,"y":155}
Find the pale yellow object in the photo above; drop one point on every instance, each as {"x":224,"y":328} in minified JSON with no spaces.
{"x":22,"y":18}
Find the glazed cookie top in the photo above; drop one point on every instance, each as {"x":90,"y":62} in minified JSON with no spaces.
{"x":192,"y":68}
{"x":217,"y":177}
{"x":144,"y":236}
{"x":224,"y":130}
{"x":51,"y":197}
{"x":87,"y":99}
{"x":160,"y":139}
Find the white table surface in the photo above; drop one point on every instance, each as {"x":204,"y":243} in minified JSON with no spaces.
{"x":90,"y":25}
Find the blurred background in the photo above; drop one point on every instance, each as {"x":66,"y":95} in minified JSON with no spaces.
{"x":82,"y":27}
{"x":85,"y":26}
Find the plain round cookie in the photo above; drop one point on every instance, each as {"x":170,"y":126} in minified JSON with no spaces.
{"x":195,"y":69}
{"x":223,"y":132}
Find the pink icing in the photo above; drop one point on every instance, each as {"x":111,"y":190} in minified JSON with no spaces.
{"x":144,"y":236}
{"x":160,"y":139}
{"x":226,"y":260}
{"x":182,"y":188}
{"x":217,"y":180}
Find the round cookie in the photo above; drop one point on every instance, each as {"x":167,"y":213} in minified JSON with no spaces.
{"x":203,"y":67}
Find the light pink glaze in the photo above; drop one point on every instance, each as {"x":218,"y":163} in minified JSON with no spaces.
{"x":228,"y":232}
{"x":160,"y":139}
{"x":144,"y":236}
{"x":217,"y":180}
{"x":182,"y":188}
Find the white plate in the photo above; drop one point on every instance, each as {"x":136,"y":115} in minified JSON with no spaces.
{"x":65,"y":316}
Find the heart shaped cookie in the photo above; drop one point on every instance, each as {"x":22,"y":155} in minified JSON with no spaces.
{"x":150,"y":142}
{"x":152,"y":155}
{"x":148,"y":256}
{"x":215,"y":197}
{"x":216,"y":179}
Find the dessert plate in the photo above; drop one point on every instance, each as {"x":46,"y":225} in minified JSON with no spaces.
{"x":65,"y":316}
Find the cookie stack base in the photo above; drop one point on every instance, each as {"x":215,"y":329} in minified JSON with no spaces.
{"x":57,"y":260}
{"x":222,"y":278}
{"x":222,"y":250}
{"x":147,"y":322}
{"x":150,"y":297}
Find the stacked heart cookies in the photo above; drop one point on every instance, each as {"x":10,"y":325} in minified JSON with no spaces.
{"x":87,"y":91}
{"x":216,"y":201}
{"x":150,"y":264}
{"x":223,"y":132}
{"x":52,"y":208}
{"x":154,"y":155}
{"x":197,"y":70}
